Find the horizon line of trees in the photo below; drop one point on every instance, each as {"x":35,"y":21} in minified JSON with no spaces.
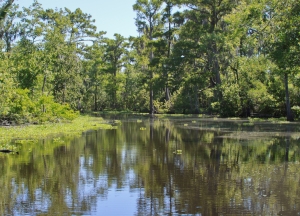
{"x":223,"y":57}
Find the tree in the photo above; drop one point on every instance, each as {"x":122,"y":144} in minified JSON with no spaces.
{"x":246,"y":88}
{"x":4,"y":10}
{"x":284,"y":47}
{"x":67,"y":34}
{"x":168,"y":35}
{"x":9,"y":28}
{"x":201,"y":41}
{"x":114,"y":55}
{"x":93,"y":69}
{"x":148,"y":22}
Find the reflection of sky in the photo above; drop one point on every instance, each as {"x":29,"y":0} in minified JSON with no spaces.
{"x":118,"y":202}
{"x":25,"y":206}
{"x":105,"y":199}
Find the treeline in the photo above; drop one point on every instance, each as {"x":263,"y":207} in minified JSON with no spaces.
{"x":221,"y":57}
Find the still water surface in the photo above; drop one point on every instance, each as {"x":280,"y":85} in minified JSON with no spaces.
{"x":170,"y":166}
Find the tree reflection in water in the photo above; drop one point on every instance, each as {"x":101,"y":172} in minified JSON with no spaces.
{"x":175,"y":166}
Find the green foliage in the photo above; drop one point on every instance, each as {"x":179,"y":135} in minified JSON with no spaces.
{"x":231,"y":103}
{"x":296,"y":111}
{"x":22,"y":109}
{"x":263,"y":102}
{"x":228,"y":58}
{"x":141,"y":102}
{"x":52,"y":111}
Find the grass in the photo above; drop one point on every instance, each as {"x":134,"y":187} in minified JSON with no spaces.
{"x":36,"y":132}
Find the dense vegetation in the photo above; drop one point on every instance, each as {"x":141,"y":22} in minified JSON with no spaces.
{"x":222,"y":57}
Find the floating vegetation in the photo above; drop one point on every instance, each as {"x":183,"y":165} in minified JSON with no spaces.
{"x":142,"y":128}
{"x":58,"y":140}
{"x":23,"y":141}
{"x":29,"y":133}
{"x":6,"y":148}
{"x":177,"y":151}
{"x":139,"y":121}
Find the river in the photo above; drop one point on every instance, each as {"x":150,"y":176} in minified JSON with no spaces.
{"x":161,"y":166}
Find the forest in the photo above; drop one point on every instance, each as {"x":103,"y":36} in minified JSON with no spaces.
{"x":227,"y":58}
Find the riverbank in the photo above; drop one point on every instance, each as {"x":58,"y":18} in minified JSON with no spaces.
{"x":36,"y":132}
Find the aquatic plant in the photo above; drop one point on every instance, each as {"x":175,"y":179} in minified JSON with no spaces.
{"x":35,"y":132}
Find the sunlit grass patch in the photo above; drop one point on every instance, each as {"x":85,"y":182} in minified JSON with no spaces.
{"x":234,"y":118}
{"x":36,"y":132}
{"x":279,"y":120}
{"x":256,"y":119}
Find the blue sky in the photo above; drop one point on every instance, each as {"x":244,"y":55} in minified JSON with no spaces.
{"x":112,"y":16}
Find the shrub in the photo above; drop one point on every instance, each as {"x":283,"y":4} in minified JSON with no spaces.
{"x":49,"y":110}
{"x":20,"y":108}
{"x":296,"y":111}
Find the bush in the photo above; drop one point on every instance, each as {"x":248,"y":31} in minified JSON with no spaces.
{"x":20,"y":108}
{"x":48,"y":110}
{"x":296,"y":111}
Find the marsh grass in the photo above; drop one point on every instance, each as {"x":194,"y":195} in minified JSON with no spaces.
{"x":25,"y":133}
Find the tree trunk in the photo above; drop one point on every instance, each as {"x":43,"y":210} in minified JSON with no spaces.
{"x":64,"y":93}
{"x":216,"y":71}
{"x":289,"y":115}
{"x":96,"y":99}
{"x":115,"y":86}
{"x":43,"y":90}
{"x":196,"y":110}
{"x":167,"y":91}
{"x":151,"y":108}
{"x":96,"y":91}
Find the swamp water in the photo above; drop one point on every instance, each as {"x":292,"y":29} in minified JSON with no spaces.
{"x":169,"y":166}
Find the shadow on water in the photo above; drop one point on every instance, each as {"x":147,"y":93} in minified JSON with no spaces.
{"x":157,"y":166}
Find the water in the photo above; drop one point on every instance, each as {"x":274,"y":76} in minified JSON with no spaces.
{"x":178,"y":166}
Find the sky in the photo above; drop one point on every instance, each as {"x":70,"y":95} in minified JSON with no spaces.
{"x":112,"y":16}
